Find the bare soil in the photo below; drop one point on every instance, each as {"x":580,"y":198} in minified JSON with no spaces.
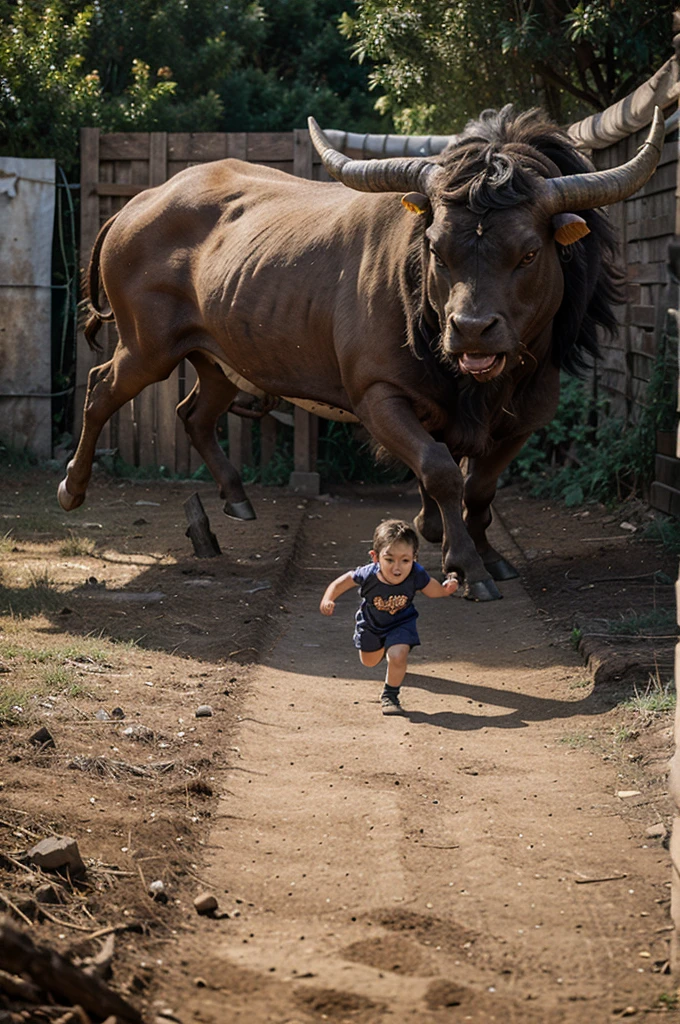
{"x":474,"y":860}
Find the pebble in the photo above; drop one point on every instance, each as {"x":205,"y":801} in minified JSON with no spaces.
{"x":658,"y":831}
{"x":57,"y":852}
{"x":623,"y":793}
{"x":204,"y":711}
{"x":138,"y":732}
{"x":205,"y":903}
{"x":157,"y":891}
{"x":117,"y":713}
{"x":102,"y":715}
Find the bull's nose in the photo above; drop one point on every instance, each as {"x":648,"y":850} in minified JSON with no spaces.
{"x":470,"y":329}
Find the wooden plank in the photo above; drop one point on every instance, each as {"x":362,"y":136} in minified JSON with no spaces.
{"x":648,"y":273}
{"x":302,"y":153}
{"x":117,"y":188}
{"x":268,"y":147}
{"x":665,"y":498}
{"x":158,"y":158}
{"x":124,"y":146}
{"x":268,"y":429}
{"x":653,"y":227}
{"x":89,"y":226}
{"x":643,"y":316}
{"x":237,"y":145}
{"x":305,"y":441}
{"x":240,"y":441}
{"x":197,"y":147}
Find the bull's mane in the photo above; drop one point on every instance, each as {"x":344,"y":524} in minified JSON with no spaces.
{"x":494,"y":164}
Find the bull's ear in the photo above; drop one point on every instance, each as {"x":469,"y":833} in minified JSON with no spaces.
{"x":415,"y":202}
{"x":569,"y":227}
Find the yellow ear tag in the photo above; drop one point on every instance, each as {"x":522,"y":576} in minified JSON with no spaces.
{"x":569,"y":227}
{"x":415,"y":202}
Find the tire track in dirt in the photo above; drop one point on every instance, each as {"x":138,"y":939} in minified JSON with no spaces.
{"x":432,"y":867}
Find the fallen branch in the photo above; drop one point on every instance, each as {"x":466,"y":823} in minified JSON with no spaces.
{"x":57,"y":976}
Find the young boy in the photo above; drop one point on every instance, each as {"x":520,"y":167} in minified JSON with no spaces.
{"x":386,"y":619}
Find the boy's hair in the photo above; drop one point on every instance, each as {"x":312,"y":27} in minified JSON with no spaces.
{"x":394,"y":530}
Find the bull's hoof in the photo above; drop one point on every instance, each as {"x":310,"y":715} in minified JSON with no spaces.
{"x":501,"y":570}
{"x":67,"y":500}
{"x":482,"y":590}
{"x":239,"y":510}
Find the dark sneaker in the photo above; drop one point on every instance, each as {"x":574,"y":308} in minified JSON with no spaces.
{"x":389,"y":703}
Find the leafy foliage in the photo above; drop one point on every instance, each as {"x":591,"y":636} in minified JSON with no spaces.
{"x":171,"y":65}
{"x":587,"y":455}
{"x":438,"y":64}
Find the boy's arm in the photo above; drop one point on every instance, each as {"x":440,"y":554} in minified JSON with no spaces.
{"x":436,"y":589}
{"x":339,"y":586}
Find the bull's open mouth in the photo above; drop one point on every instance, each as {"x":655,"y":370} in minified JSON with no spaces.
{"x":481,"y":367}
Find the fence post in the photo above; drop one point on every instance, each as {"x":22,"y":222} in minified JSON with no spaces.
{"x":89,"y":226}
{"x":304,"y":479}
{"x":674,"y":776}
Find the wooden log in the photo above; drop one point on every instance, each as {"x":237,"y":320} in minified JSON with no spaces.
{"x":55,"y":974}
{"x":199,"y":532}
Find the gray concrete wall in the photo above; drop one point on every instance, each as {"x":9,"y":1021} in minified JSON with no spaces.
{"x":26,"y":224}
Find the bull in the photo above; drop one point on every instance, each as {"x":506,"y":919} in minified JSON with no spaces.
{"x":441,"y":332}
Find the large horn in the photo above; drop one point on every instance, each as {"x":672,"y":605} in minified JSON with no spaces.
{"x":601,"y":188}
{"x":395,"y":174}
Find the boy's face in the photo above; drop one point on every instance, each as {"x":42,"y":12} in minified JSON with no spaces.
{"x":395,"y":561}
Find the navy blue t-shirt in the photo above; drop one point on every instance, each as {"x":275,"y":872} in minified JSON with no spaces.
{"x":385,"y":605}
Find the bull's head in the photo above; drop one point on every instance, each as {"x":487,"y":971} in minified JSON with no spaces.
{"x":493,"y":277}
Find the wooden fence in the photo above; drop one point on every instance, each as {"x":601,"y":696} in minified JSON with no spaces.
{"x":646,"y":225}
{"x":115,"y":167}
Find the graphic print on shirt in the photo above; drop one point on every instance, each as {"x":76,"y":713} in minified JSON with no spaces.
{"x":393,"y":604}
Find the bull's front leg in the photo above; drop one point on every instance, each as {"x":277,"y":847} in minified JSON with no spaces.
{"x":480,"y":490}
{"x":391,"y":420}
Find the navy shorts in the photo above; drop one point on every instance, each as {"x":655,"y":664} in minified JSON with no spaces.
{"x":368,"y":640}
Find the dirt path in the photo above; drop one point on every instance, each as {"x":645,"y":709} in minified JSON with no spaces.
{"x":449,"y":865}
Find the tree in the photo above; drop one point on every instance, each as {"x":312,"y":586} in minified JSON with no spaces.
{"x":172,"y":65}
{"x":439,"y":62}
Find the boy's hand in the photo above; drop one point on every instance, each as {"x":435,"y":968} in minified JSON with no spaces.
{"x":327,"y":607}
{"x":450,"y":584}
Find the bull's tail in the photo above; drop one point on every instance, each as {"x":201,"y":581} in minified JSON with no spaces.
{"x":97,"y":316}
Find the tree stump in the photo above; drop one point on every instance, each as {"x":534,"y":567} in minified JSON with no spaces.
{"x":201,"y":536}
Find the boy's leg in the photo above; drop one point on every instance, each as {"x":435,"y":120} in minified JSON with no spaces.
{"x":397,"y":660}
{"x":371,"y":658}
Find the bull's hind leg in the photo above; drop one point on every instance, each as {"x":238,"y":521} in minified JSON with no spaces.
{"x":109,"y":387}
{"x":480,"y":490}
{"x":211,"y":396}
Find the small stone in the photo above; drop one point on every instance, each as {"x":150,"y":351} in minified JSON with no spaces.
{"x":102,"y":715}
{"x":4,"y":668}
{"x":57,"y":852}
{"x":200,"y":983}
{"x":117,"y":713}
{"x":42,"y":738}
{"x":157,"y":891}
{"x":204,"y":711}
{"x":623,"y":793}
{"x":205,"y":903}
{"x":140,"y":733}
{"x":658,"y":831}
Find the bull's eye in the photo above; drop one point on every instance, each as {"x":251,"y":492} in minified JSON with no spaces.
{"x":528,"y":258}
